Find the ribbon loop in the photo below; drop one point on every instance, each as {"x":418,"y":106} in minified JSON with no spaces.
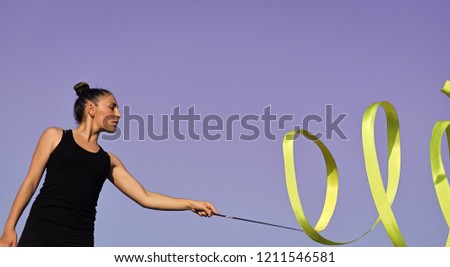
{"x":440,"y":179}
{"x":291,"y":183}
{"x":383,"y":200}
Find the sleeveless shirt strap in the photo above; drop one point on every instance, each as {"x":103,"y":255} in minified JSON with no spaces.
{"x":65,"y":132}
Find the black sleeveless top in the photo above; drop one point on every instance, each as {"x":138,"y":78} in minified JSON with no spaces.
{"x":74,"y":179}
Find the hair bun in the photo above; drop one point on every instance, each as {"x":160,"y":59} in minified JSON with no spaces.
{"x":81,"y":87}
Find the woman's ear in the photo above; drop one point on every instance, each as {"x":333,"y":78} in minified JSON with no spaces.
{"x":90,"y":109}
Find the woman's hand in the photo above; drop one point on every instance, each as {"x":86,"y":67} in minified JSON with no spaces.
{"x":9,"y":238}
{"x":203,"y":208}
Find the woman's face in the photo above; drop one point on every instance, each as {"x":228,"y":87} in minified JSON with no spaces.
{"x":107,"y":113}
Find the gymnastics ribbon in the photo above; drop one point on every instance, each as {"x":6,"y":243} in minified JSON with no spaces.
{"x":446,"y":88}
{"x":440,"y":180}
{"x":383,"y":199}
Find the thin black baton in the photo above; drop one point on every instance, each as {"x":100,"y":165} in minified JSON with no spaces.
{"x":253,"y":221}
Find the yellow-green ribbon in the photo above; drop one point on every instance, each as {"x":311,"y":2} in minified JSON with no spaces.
{"x":437,"y":169}
{"x":383,"y":199}
{"x":291,"y":183}
{"x":446,"y":88}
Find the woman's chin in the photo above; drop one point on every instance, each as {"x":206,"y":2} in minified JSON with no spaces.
{"x":110,"y":129}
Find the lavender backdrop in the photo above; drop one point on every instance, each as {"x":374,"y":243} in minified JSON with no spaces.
{"x":233,"y":57}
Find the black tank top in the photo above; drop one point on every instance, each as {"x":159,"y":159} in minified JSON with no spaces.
{"x":68,"y":198}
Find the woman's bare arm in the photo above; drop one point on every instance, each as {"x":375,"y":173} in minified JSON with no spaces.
{"x":45,"y":146}
{"x":126,"y":183}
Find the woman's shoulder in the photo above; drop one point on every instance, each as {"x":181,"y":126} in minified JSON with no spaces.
{"x":115,"y":161}
{"x":53,"y":132}
{"x":112,"y":156}
{"x":51,"y":137}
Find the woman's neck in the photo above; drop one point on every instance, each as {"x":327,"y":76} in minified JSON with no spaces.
{"x":87,"y":132}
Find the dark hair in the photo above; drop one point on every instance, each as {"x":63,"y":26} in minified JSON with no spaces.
{"x":85,"y":93}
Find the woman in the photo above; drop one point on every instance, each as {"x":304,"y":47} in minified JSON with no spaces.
{"x":63,"y":213}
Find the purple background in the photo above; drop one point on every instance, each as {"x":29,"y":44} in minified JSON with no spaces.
{"x":228,"y":57}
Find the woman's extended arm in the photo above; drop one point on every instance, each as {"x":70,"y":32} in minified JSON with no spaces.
{"x":126,"y":183}
{"x":45,"y":146}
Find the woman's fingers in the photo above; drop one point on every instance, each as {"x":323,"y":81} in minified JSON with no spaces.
{"x":205,"y":209}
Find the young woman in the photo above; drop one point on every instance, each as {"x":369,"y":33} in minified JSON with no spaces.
{"x":63,"y":213}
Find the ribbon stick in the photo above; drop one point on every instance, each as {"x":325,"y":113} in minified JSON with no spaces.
{"x":258,"y":222}
{"x":383,"y":200}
